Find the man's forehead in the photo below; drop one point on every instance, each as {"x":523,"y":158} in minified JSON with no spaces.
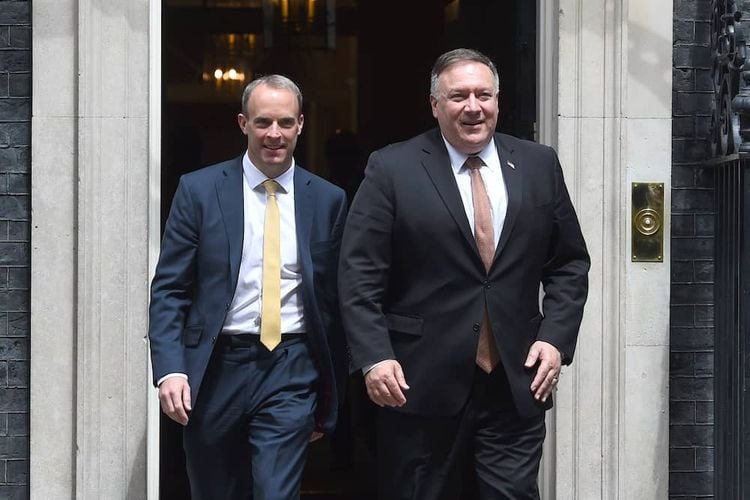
{"x":459,"y":73}
{"x":265,"y":96}
{"x":459,"y":86}
{"x":466,"y":83}
{"x":282,"y":120}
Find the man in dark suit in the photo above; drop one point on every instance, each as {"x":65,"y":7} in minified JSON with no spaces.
{"x":448,"y":240}
{"x":245,"y":334}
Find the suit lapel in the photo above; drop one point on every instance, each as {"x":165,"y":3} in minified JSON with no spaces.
{"x":304,"y":208}
{"x":513,"y":177}
{"x":437,"y":163}
{"x":231,"y":202}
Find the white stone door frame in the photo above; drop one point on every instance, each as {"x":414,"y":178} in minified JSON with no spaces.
{"x":154,"y":229}
{"x":546,"y":133}
{"x":602,"y":119}
{"x":89,"y":272}
{"x":609,"y":430}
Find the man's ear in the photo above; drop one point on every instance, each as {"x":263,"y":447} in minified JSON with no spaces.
{"x":433,"y":106}
{"x":301,"y":121}
{"x":242,"y":122}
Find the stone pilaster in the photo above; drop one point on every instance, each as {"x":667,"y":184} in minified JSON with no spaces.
{"x":90,"y":254}
{"x":610,"y":428}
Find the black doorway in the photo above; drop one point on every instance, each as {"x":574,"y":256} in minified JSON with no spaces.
{"x":363,"y":68}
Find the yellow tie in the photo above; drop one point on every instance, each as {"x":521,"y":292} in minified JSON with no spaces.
{"x":270,"y":314}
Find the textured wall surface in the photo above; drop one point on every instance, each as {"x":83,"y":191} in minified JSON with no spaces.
{"x":15,"y":213}
{"x":691,"y":449}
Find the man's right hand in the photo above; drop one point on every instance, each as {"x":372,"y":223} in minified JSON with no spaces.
{"x":386,"y":383}
{"x":174,"y":395}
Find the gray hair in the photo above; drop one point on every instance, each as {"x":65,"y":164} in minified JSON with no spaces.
{"x":457,"y":56}
{"x":273,"y":81}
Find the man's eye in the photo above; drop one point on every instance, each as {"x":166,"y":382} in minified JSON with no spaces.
{"x":287,"y":123}
{"x":262,"y":123}
{"x":485,"y":97}
{"x":456,"y":97}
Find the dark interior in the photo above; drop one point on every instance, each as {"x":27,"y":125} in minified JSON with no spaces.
{"x":363,"y":68}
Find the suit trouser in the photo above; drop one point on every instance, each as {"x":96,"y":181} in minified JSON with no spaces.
{"x":427,"y":457}
{"x":248,"y":434}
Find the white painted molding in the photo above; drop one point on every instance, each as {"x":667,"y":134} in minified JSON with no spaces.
{"x":89,"y":254}
{"x":546,"y":133}
{"x":112,"y":219}
{"x":614,"y":128}
{"x":547,"y":33}
{"x":53,"y":254}
{"x":154,"y":231}
{"x":590,"y":396}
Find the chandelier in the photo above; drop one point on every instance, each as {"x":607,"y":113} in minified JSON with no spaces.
{"x":296,"y":24}
{"x":229,"y":58}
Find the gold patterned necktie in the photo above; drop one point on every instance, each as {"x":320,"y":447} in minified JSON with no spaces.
{"x":484,"y":234}
{"x":270,"y":314}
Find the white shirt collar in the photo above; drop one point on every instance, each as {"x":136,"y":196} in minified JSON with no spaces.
{"x":255,"y":177}
{"x":488,"y":155}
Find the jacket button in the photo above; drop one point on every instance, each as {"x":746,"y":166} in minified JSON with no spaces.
{"x":476,"y":327}
{"x":213,"y":339}
{"x":487,"y":286}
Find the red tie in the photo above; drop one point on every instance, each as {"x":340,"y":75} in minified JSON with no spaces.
{"x":484,"y":234}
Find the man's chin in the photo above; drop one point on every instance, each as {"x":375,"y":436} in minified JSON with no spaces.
{"x":274,"y":159}
{"x":476,"y":142}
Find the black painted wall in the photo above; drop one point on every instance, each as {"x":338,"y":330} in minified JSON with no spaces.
{"x":691,"y":431}
{"x":15,"y":162}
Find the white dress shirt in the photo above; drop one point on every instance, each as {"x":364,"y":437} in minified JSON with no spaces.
{"x":244,"y":313}
{"x":494,"y":183}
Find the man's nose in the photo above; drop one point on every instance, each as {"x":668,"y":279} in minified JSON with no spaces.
{"x":274,"y":130}
{"x":472,"y":103}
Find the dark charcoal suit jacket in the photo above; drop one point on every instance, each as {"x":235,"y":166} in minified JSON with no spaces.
{"x":413,"y":287}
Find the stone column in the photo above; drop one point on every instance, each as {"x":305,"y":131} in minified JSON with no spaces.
{"x":610,"y":428}
{"x":90,"y":248}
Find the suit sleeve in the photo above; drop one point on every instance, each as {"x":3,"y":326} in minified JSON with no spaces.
{"x":364,"y":265}
{"x":565,"y":274}
{"x":171,"y":288}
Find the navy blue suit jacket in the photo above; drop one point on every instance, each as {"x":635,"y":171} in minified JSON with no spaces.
{"x":199,"y":265}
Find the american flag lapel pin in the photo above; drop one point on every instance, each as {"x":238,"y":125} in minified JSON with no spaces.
{"x":511,"y":165}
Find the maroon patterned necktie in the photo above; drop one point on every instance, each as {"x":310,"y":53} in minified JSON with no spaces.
{"x":484,"y":234}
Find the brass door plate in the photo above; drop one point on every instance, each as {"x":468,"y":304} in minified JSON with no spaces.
{"x":647,"y":222}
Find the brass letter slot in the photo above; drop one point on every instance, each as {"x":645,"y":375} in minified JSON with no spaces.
{"x":647,"y":221}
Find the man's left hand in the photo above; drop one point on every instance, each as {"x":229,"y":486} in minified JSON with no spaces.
{"x":315,"y":436}
{"x":550,"y":361}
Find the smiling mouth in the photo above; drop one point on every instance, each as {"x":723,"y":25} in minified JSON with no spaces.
{"x":275,"y":148}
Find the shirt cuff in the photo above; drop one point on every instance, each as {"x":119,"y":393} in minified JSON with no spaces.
{"x":171,"y":375}
{"x":368,"y":368}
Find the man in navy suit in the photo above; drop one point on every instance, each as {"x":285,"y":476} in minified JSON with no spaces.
{"x":448,"y":240}
{"x":246,"y":344}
